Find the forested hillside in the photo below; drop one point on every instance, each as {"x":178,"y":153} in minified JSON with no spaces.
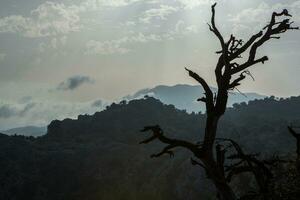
{"x":98,"y":156}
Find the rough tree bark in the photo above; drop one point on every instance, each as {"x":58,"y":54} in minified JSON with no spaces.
{"x":229,"y":73}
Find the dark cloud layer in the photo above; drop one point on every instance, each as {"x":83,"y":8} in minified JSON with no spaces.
{"x":40,"y":112}
{"x":97,"y":103}
{"x":74,"y":82}
{"x":7,"y":111}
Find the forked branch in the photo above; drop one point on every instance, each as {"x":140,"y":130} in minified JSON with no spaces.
{"x":234,"y":48}
{"x":273,"y":29}
{"x":157,"y":133}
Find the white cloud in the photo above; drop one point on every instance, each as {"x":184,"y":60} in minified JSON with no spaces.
{"x":129,"y":23}
{"x":53,"y":19}
{"x":182,"y":28}
{"x":53,"y":43}
{"x":253,"y":19}
{"x":190,"y":4}
{"x":119,"y":46}
{"x":158,"y":13}
{"x":98,"y":4}
{"x":48,"y":19}
{"x":140,"y":37}
{"x":106,"y":47}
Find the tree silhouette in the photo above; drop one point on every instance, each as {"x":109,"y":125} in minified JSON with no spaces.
{"x":229,"y":73}
{"x":297,"y":137}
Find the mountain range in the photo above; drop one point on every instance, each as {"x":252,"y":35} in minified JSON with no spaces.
{"x":183,"y":97}
{"x":34,"y":131}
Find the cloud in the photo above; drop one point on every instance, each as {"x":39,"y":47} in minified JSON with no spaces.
{"x":8,"y":111}
{"x":190,"y":4}
{"x":253,"y":19}
{"x":97,"y":103}
{"x":26,"y":109}
{"x":182,"y":28}
{"x":74,"y":82}
{"x":48,"y":19}
{"x":90,"y":5}
{"x":42,"y":112}
{"x":25,"y":99}
{"x":106,"y":47}
{"x":118,"y":46}
{"x":53,"y":19}
{"x":158,"y":13}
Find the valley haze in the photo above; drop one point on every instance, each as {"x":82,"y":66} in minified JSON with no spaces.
{"x":182,"y":96}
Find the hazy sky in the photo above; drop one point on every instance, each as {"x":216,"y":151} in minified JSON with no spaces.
{"x":60,"y":58}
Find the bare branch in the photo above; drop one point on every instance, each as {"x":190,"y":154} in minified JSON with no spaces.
{"x":274,"y":160}
{"x":292,"y":131}
{"x":203,"y":99}
{"x":273,"y":28}
{"x":245,"y":46}
{"x":214,"y":29}
{"x":194,"y":162}
{"x":297,"y":136}
{"x":166,"y":150}
{"x":208,"y":92}
{"x":248,"y":64}
{"x":223,"y":60}
{"x":157,"y":133}
{"x":237,"y":81}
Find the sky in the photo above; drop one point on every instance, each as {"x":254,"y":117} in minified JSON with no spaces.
{"x":61,"y":58}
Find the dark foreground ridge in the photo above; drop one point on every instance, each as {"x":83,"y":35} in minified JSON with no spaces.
{"x":98,"y":156}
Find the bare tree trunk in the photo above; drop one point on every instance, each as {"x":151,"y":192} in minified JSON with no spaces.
{"x":215,"y":170}
{"x":225,"y":192}
{"x":297,"y":137}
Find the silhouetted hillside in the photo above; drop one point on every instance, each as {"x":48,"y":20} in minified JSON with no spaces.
{"x":183,"y":97}
{"x":98,"y":156}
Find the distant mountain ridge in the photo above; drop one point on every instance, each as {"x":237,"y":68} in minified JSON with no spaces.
{"x":34,"y":131}
{"x":184,"y":97}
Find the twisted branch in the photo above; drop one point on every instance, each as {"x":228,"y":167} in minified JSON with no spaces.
{"x":208,"y":93}
{"x":157,"y":133}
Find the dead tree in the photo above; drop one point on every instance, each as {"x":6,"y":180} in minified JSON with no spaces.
{"x":229,"y":73}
